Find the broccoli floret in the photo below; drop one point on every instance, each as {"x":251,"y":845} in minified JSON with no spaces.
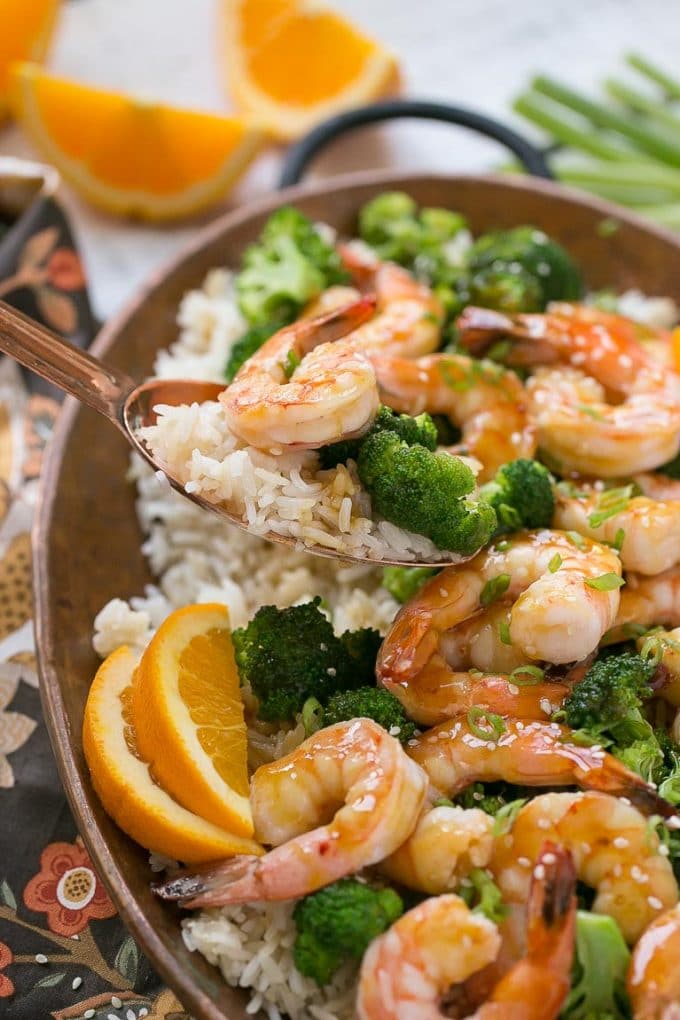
{"x":483,"y":896}
{"x":486,"y":797}
{"x":425,"y":492}
{"x":370,"y":703}
{"x":289,"y":265}
{"x":508,"y":289}
{"x":289,"y":655}
{"x":522,"y":495}
{"x":337,"y":924}
{"x":526,"y":249}
{"x":605,"y":705}
{"x":393,"y":226}
{"x":598,"y":982}
{"x":404,"y":582}
{"x":246,"y":346}
{"x":420,"y":429}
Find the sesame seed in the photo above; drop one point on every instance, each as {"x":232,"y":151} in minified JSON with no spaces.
{"x":477,"y":795}
{"x":513,"y":689}
{"x":88,"y":1014}
{"x":40,"y":958}
{"x":543,"y":823}
{"x":443,"y":592}
{"x":524,"y":862}
{"x":663,"y":850}
{"x":638,"y":875}
{"x":620,"y":842}
{"x":76,"y":983}
{"x":654,"y":902}
{"x":549,"y":858}
{"x":116,"y":1002}
{"x":625,"y":800}
{"x":539,"y":872}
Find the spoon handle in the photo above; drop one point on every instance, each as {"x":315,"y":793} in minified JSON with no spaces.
{"x":75,"y":371}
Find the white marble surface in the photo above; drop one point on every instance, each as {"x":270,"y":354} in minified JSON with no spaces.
{"x":479,"y":53}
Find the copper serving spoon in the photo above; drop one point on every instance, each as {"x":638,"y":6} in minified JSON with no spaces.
{"x":130,"y":406}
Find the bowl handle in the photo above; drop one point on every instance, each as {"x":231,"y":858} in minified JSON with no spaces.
{"x":303,"y":152}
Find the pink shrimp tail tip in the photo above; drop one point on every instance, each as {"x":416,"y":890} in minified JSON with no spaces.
{"x":232,"y":881}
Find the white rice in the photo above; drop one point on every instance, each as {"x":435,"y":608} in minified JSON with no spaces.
{"x":195,"y":557}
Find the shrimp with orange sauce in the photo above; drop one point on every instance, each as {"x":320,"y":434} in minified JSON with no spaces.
{"x":446,"y":845}
{"x":653,"y":980}
{"x":649,"y":529}
{"x":305,"y":386}
{"x":486,"y":401}
{"x":406,"y":972}
{"x":614,"y":848}
{"x":647,"y":602}
{"x":557,"y":616}
{"x":529,"y":753}
{"x":353,"y":772}
{"x":576,"y":421}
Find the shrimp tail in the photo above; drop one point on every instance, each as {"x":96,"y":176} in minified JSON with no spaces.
{"x":614,"y":778}
{"x":539,"y":982}
{"x":479,"y":327}
{"x":335,"y":324}
{"x":231,"y":881}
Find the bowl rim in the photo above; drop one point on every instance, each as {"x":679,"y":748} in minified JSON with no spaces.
{"x":53,"y":706}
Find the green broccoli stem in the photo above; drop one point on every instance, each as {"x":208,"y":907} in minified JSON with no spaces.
{"x":671,"y":86}
{"x":641,"y":103}
{"x":652,"y":142}
{"x":550,"y":117}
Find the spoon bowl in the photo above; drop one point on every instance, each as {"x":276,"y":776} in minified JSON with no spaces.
{"x":130,"y":406}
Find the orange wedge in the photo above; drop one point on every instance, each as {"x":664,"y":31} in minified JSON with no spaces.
{"x":188,"y":715}
{"x":127,"y":155}
{"x":26,"y":30}
{"x":293,"y":62}
{"x":123,"y":782}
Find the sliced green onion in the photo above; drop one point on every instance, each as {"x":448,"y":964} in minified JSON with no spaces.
{"x":634,"y":630}
{"x":290,"y":364}
{"x":609,"y":504}
{"x":443,"y":802}
{"x":504,"y":633}
{"x":312,"y":716}
{"x":652,"y":650}
{"x":576,"y":539}
{"x":527,"y":676}
{"x":499,"y":351}
{"x":591,"y":412}
{"x":494,"y":588}
{"x":503,"y":545}
{"x":605,"y":582}
{"x":495,"y":727}
{"x":555,"y":563}
{"x":505,"y":816}
{"x":671,"y":86}
{"x":619,"y":539}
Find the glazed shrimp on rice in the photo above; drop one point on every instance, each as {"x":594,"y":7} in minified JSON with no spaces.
{"x":356,"y":773}
{"x":576,"y":422}
{"x":408,"y":971}
{"x":555,"y":616}
{"x":615,"y":851}
{"x":305,"y":386}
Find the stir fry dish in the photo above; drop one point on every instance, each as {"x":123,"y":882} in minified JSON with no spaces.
{"x":403,"y":793}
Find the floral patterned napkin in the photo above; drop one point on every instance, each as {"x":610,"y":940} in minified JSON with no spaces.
{"x":63,"y":951}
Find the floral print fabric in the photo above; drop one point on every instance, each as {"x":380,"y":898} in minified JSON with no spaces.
{"x":64,"y":954}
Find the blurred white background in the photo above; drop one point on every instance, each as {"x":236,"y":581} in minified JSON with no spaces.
{"x":478,"y":54}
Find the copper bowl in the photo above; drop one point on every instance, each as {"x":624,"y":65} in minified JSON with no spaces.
{"x":86,"y":541}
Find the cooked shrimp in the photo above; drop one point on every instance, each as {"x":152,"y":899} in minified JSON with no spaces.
{"x":615,"y":851}
{"x":409,"y":316}
{"x":667,"y":680}
{"x":486,"y":401}
{"x":354,"y":773}
{"x":305,"y":387}
{"x":556,"y":617}
{"x":651,"y":528}
{"x":658,"y":486}
{"x":460,"y":752}
{"x":584,"y":433}
{"x":646,"y":602}
{"x":407,"y":971}
{"x":446,"y":844}
{"x":575,"y":421}
{"x":653,"y":981}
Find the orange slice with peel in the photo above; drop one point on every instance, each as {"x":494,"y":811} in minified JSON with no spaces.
{"x":26,"y":29}
{"x":188,"y":715}
{"x":123,"y":782}
{"x":128,"y":155}
{"x":293,"y":62}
